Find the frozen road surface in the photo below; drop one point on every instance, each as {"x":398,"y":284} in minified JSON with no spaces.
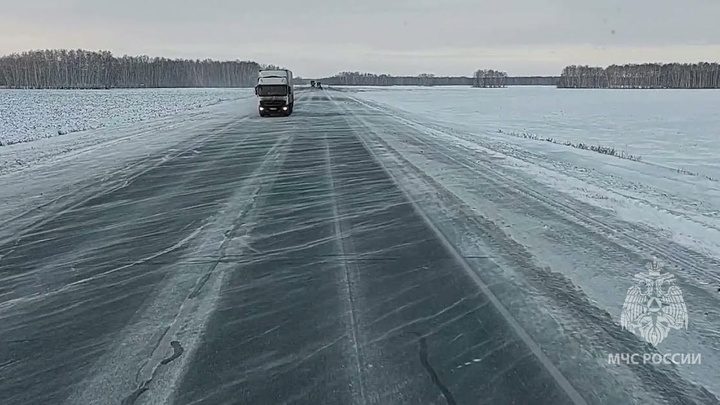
{"x":343,"y":255}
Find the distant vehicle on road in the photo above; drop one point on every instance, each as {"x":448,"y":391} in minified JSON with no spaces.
{"x":275,"y":91}
{"x":319,"y":85}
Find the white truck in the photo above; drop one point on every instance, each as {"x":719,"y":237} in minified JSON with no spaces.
{"x":275,"y":92}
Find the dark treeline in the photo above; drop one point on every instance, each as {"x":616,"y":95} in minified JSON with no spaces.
{"x":80,"y":69}
{"x":74,"y":69}
{"x":371,"y":79}
{"x":532,"y":80}
{"x":489,"y":78}
{"x":643,"y":76}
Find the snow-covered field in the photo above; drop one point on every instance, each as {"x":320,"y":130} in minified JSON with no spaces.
{"x":27,"y":115}
{"x":678,"y":129}
{"x":675,"y":186}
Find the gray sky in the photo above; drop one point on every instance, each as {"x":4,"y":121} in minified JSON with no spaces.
{"x":322,"y":37}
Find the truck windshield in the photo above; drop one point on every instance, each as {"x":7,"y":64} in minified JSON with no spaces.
{"x":272,"y":90}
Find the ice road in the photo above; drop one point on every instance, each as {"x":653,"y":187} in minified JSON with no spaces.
{"x":322,"y":258}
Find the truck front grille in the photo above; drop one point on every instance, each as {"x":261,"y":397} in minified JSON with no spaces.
{"x":272,"y":103}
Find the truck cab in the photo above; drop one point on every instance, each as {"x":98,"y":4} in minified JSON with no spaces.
{"x":275,"y":92}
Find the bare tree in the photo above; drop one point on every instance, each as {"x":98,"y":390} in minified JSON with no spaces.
{"x":489,"y":78}
{"x":80,"y":69}
{"x":701,"y":75}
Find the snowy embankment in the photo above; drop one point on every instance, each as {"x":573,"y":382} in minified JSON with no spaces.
{"x":27,"y":115}
{"x":673,"y":188}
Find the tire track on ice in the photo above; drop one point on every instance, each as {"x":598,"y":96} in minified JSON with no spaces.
{"x":559,"y":378}
{"x":181,"y":308}
{"x":132,"y":172}
{"x":347,"y":277}
{"x":6,"y":305}
{"x":90,"y":191}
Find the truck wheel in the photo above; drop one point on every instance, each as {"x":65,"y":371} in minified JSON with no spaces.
{"x":290,"y":108}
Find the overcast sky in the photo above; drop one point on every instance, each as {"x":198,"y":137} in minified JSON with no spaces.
{"x":318,"y":38}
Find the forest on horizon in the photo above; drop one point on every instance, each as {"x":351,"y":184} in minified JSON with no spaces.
{"x":83,"y":69}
